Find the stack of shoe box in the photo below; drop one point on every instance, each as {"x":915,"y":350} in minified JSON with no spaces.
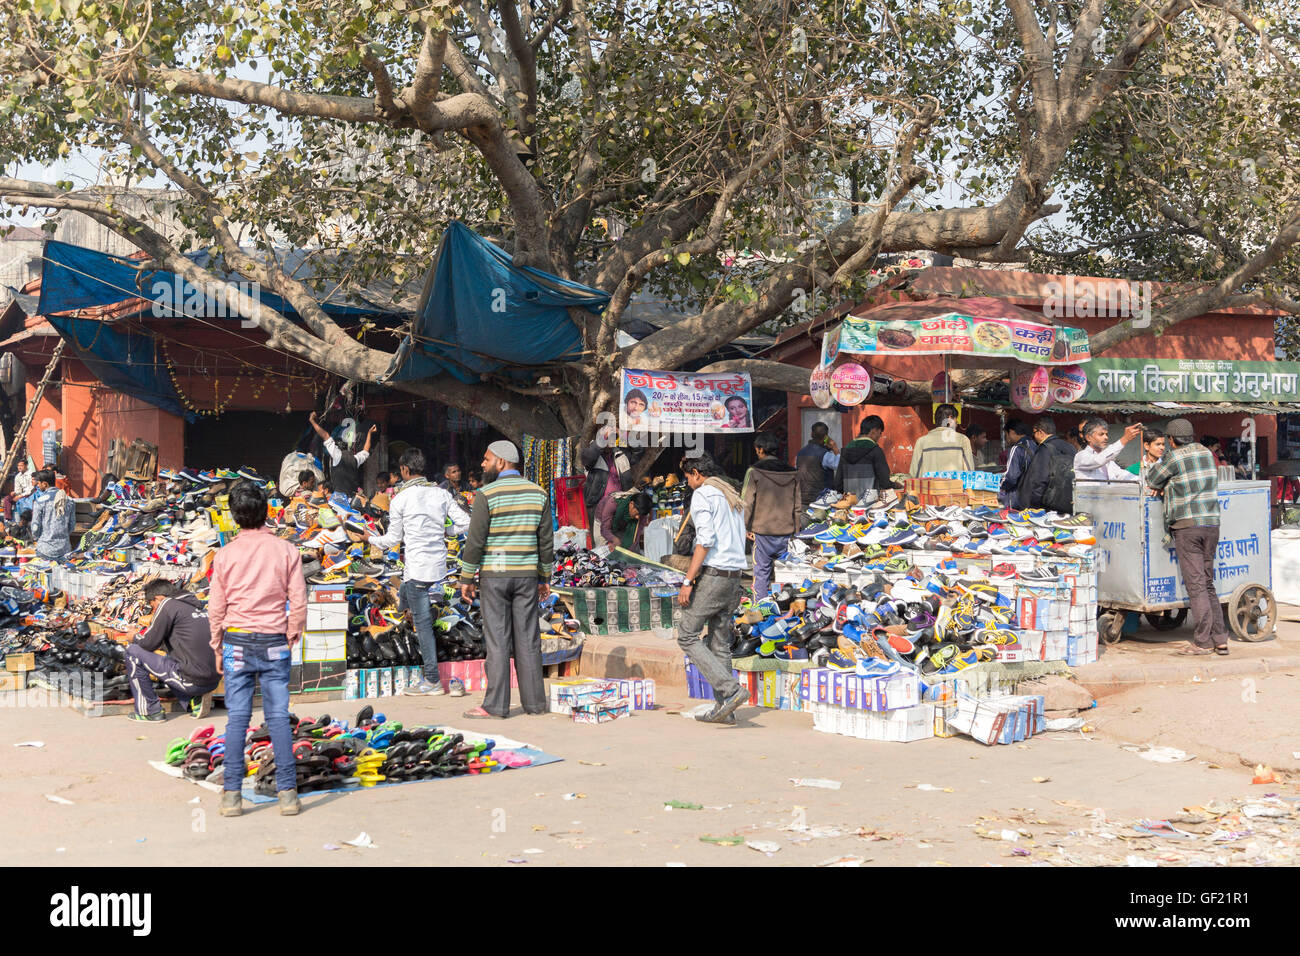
{"x":568,"y":695}
{"x":870,"y":708}
{"x":999,"y":720}
{"x":319,"y":662}
{"x":776,"y":688}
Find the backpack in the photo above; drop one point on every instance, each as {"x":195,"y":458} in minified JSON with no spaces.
{"x":1059,"y":493}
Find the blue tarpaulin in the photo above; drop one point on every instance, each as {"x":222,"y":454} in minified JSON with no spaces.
{"x":73,"y":277}
{"x":481,"y":312}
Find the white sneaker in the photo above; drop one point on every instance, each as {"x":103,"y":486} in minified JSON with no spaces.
{"x":425,"y":688}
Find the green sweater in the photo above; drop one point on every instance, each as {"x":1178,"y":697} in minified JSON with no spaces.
{"x":510,"y":533}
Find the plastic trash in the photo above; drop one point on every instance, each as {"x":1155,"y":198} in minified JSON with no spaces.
{"x":362,"y":839}
{"x":54,"y":798}
{"x":819,"y":783}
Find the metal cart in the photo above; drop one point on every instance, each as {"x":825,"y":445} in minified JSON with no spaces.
{"x":1137,"y":573}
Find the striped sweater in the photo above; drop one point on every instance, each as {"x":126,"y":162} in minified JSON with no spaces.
{"x":510,"y":533}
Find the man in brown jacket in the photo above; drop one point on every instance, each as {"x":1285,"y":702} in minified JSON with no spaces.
{"x":771,"y":497}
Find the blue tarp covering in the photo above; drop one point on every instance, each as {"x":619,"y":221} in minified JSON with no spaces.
{"x":73,"y":277}
{"x":480,"y":312}
{"x":123,"y":360}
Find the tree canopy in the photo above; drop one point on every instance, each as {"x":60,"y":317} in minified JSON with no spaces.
{"x":630,"y":144}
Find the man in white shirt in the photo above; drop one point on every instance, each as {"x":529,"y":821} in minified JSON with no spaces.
{"x":713,"y":583}
{"x":345,"y":464}
{"x":23,"y":488}
{"x":417,"y":518}
{"x":1096,"y":460}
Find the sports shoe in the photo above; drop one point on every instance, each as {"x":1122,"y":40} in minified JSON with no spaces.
{"x":155,"y":717}
{"x":1079,"y":520}
{"x":425,"y":688}
{"x":1039,"y":574}
{"x":1003,"y":571}
{"x":289,"y":803}
{"x":455,"y":687}
{"x":201,"y":706}
{"x":901,"y":537}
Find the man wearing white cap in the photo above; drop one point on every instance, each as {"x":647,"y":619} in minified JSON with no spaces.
{"x":510,"y":547}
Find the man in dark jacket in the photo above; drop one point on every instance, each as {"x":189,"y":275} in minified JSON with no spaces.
{"x":816,"y":464}
{"x":1020,"y":451}
{"x":188,"y":668}
{"x":1033,"y":488}
{"x":608,"y":471}
{"x":771,"y":497}
{"x":863,"y":470}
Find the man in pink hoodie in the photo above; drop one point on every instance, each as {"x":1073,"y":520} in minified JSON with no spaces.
{"x":257,"y":609}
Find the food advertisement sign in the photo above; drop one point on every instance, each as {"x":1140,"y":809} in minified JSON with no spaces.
{"x":954,"y":333}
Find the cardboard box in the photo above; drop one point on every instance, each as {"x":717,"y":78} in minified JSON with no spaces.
{"x":371,"y":675}
{"x":352,"y":685}
{"x":319,"y":646}
{"x":318,"y":677}
{"x":327,"y":594}
{"x":601,"y":712}
{"x":327,"y":617}
{"x":385,"y":682}
{"x":400,"y":680}
{"x":13,"y":680}
{"x":19,"y":663}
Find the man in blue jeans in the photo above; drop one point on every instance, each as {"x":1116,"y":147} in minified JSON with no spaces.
{"x":417,"y":518}
{"x":254,"y":577}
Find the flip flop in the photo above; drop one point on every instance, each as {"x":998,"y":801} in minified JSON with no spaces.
{"x":478,"y":713}
{"x":1221,"y":650}
{"x":1192,"y":650}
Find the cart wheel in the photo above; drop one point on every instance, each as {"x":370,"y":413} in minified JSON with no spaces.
{"x":1252,"y":612}
{"x":1111,"y":627}
{"x":1167,"y":620}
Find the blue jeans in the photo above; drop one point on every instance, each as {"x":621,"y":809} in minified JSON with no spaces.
{"x":415,"y":598}
{"x":767,"y":547}
{"x":264,"y":658}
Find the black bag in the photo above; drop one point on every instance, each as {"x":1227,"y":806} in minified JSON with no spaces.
{"x":1059,"y":493}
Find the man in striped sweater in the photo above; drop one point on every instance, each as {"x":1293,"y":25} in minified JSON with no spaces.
{"x":510,"y":546}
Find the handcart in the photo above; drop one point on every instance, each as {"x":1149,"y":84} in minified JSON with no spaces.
{"x":1138,"y":573}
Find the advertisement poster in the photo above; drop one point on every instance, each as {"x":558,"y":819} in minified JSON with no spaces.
{"x":695,"y":402}
{"x":850,"y":384}
{"x":819,"y":387}
{"x":954,"y":333}
{"x":1191,"y":380}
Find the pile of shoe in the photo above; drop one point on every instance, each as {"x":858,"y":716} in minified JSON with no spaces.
{"x":935,"y":623}
{"x":330,"y":753}
{"x":577,"y":568}
{"x":75,"y":657}
{"x":848,"y":536}
{"x":379,"y":635}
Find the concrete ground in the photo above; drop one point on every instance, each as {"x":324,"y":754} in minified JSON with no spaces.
{"x":1062,"y":798}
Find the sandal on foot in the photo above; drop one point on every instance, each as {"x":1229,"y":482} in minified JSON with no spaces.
{"x":1191,"y":650}
{"x":478,"y":713}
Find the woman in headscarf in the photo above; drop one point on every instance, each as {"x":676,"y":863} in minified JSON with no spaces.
{"x":53,"y":516}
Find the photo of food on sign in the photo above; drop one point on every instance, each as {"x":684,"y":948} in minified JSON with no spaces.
{"x":697,"y":402}
{"x":992,"y":336}
{"x":957,"y":333}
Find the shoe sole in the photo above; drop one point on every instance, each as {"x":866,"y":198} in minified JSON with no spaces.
{"x":232,"y":811}
{"x":205,"y":707}
{"x":289,"y":811}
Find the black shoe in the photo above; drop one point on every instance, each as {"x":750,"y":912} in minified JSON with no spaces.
{"x":730,"y":705}
{"x":366,"y":713}
{"x":746,"y":648}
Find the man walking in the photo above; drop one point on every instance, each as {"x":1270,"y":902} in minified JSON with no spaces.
{"x":771,"y":497}
{"x":181,"y":625}
{"x":1189,"y":481}
{"x":713,"y":584}
{"x":345,"y":463}
{"x":417,"y":518}
{"x":1021,"y":447}
{"x":863,"y":470}
{"x":816,"y":464}
{"x":511,"y":547}
{"x":254,"y":578}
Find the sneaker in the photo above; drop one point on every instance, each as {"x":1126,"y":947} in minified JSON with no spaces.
{"x":201,"y":706}
{"x":455,"y":687}
{"x":1082,"y":519}
{"x":1039,"y":574}
{"x":289,"y":803}
{"x":425,"y":688}
{"x":232,"y":803}
{"x":155,"y":717}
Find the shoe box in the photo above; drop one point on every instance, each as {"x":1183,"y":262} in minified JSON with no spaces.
{"x":824,"y":685}
{"x":568,"y":696}
{"x":1000,"y":720}
{"x":601,"y":711}
{"x":777,"y":689}
{"x":902,"y":725}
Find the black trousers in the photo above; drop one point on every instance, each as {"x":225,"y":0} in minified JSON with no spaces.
{"x":511,"y":627}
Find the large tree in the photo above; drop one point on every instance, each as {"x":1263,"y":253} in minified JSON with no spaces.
{"x":633,"y":144}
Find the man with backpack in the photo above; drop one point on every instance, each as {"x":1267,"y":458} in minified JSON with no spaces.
{"x":1021,"y":447}
{"x":1049,"y":479}
{"x":771,"y":497}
